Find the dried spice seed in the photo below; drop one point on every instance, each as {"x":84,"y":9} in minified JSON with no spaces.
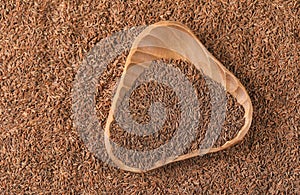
{"x":42,"y":45}
{"x":147,"y":93}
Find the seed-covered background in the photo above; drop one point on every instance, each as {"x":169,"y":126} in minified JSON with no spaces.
{"x":43,"y":43}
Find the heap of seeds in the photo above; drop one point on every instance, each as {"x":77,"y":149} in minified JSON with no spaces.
{"x":147,"y":93}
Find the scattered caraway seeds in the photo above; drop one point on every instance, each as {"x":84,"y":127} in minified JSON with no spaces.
{"x":42,"y":45}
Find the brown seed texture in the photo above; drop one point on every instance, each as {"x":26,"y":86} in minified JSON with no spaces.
{"x":43,"y":43}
